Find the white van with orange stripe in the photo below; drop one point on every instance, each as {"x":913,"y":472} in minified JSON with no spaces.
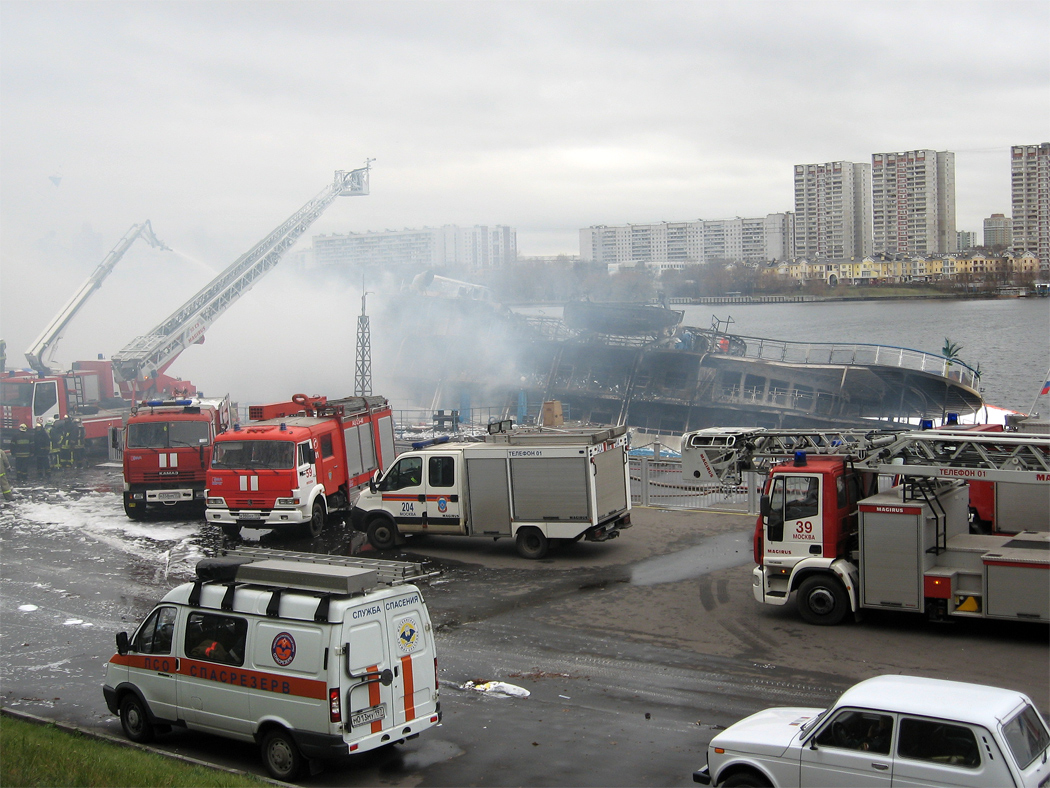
{"x":311,"y":656}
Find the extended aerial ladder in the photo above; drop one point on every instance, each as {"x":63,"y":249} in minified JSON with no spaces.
{"x":49,"y":337}
{"x":147,"y":357}
{"x":721,"y":456}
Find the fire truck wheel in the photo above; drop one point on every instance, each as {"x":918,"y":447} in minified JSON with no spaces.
{"x":822,"y":600}
{"x":135,"y":512}
{"x":134,"y":720}
{"x":280,"y":755}
{"x":382,"y":533}
{"x":531,"y":543}
{"x":315,"y":524}
{"x":231,"y":530}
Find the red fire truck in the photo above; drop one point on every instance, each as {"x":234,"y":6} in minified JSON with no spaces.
{"x":167,"y":448}
{"x":830,"y":537}
{"x":86,"y":393}
{"x":298,"y":463}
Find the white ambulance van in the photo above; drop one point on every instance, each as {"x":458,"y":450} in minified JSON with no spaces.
{"x":310,"y":656}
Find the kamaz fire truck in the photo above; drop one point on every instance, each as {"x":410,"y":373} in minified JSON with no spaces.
{"x":167,"y":448}
{"x":298,"y":463}
{"x":832,"y":538}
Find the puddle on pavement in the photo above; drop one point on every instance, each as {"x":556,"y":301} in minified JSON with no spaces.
{"x":717,"y":552}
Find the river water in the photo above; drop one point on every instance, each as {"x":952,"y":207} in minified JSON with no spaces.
{"x":1009,"y":337}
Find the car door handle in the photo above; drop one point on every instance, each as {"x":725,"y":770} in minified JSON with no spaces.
{"x":422,"y":499}
{"x":880,"y":766}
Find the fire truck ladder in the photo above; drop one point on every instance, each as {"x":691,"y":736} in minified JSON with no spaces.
{"x":151,"y":354}
{"x":48,"y":339}
{"x":722,"y":455}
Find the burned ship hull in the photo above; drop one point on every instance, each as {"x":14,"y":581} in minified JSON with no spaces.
{"x":664,"y":377}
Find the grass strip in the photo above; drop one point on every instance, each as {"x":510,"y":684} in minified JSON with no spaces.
{"x":43,"y":755}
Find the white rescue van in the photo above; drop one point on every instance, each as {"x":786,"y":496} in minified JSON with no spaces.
{"x":537,"y":487}
{"x":310,"y":656}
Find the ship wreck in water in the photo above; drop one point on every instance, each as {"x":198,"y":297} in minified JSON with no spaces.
{"x":638,"y":365}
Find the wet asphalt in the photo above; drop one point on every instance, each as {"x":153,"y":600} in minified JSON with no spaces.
{"x":634,"y":652}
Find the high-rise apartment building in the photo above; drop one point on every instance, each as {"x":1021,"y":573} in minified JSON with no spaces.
{"x":1030,"y":191}
{"x":913,"y":202}
{"x":964,"y":239}
{"x":833,"y":210}
{"x":466,"y":248}
{"x":758,"y":240}
{"x":998,"y":231}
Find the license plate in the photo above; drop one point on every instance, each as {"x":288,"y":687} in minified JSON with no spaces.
{"x":368,"y":715}
{"x":168,"y":496}
{"x":249,"y":516}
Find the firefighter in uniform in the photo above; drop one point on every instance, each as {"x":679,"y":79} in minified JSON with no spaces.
{"x":42,"y":450}
{"x":52,"y":432}
{"x":79,"y":448}
{"x":65,"y":443}
{"x":22,"y":450}
{"x":5,"y":482}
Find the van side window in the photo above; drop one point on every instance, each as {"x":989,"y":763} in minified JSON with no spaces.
{"x":938,"y":741}
{"x":442,"y":472}
{"x":216,"y":638}
{"x":154,"y":636}
{"x":304,"y":453}
{"x":859,"y":730}
{"x":840,"y":491}
{"x":407,"y":472}
{"x":326,"y":446}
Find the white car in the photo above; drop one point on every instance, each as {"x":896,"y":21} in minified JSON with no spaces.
{"x":889,"y":730}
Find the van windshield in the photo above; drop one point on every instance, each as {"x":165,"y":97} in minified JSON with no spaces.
{"x":167,"y":434}
{"x":274,"y":455}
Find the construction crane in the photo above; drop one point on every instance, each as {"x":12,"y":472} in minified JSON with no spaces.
{"x":147,"y":357}
{"x":48,"y":339}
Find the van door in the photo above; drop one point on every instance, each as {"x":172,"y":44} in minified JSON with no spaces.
{"x":414,"y":687}
{"x":366,"y":671}
{"x":305,"y":467}
{"x":152,"y":664}
{"x":210,"y":688}
{"x":404,"y":493}
{"x":443,"y":507}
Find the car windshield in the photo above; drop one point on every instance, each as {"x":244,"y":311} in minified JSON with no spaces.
{"x":254,"y":454}
{"x":167,"y":434}
{"x":1027,"y":736}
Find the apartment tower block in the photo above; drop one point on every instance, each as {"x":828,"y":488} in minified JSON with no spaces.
{"x":1030,"y":198}
{"x":913,"y":202}
{"x":833,"y":210}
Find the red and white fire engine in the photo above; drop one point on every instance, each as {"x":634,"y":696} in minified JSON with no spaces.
{"x":298,"y":463}
{"x":832,"y":538}
{"x":167,"y":447}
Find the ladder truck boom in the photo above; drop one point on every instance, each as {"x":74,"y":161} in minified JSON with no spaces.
{"x":149,"y":355}
{"x":49,"y":337}
{"x":722,"y":455}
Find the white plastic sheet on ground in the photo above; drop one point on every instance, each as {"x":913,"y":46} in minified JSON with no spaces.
{"x":499,"y":689}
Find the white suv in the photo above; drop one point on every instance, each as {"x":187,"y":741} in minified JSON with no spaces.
{"x":889,"y":730}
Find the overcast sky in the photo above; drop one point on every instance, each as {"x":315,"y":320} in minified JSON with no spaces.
{"x":216,"y":120}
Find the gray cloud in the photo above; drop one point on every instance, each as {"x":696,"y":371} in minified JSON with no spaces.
{"x":216,"y":120}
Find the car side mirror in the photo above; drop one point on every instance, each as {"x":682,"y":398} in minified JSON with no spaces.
{"x":764,"y":506}
{"x":122,"y":643}
{"x":311,"y":455}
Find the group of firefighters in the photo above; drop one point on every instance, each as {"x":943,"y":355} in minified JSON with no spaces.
{"x":57,"y":445}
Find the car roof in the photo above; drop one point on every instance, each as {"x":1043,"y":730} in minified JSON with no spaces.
{"x":957,"y":700}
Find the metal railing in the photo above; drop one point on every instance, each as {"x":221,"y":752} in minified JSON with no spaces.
{"x":659,"y":483}
{"x":859,"y":354}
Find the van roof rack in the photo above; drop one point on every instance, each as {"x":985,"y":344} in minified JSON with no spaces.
{"x":389,"y":573}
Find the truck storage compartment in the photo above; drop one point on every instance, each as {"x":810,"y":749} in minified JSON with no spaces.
{"x":550,"y":489}
{"x":889,"y":566}
{"x":489,"y":496}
